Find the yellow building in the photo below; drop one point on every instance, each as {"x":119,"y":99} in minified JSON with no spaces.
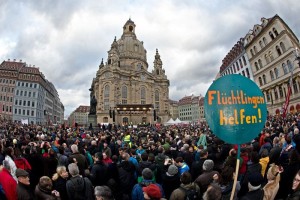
{"x":126,"y":92}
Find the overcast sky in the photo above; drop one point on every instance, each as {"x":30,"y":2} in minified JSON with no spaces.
{"x":67,"y":39}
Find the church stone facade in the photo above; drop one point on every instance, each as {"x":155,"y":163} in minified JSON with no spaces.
{"x":126,"y":92}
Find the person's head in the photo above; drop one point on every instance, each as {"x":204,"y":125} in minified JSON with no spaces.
{"x":62,"y":172}
{"x":254,"y":157}
{"x":98,"y":156}
{"x":103,"y":193}
{"x":152,"y":192}
{"x":23,"y":176}
{"x":172,"y":170}
{"x":213,"y":192}
{"x":264,"y":153}
{"x":203,"y":153}
{"x":208,"y":165}
{"x":45,"y":183}
{"x":296,"y":131}
{"x":144,"y":156}
{"x":104,"y":155}
{"x":74,"y":148}
{"x":296,"y":182}
{"x":73,"y":169}
{"x":255,"y":180}
{"x":147,"y":174}
{"x":125,"y":156}
{"x":179,"y":161}
{"x":9,"y":151}
{"x":186,"y":178}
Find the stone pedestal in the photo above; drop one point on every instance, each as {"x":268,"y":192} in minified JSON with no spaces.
{"x":92,"y":119}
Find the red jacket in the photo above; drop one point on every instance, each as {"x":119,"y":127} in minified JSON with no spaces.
{"x":9,"y":184}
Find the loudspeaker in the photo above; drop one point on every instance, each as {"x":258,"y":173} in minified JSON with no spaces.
{"x":154,"y":115}
{"x":110,"y":114}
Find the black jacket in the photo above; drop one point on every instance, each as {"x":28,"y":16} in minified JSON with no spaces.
{"x":99,"y":174}
{"x":170,"y":183}
{"x":61,"y":187}
{"x":80,"y":188}
{"x":24,"y":192}
{"x":126,"y":173}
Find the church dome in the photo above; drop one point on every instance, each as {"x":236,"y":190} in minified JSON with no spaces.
{"x":129,"y":46}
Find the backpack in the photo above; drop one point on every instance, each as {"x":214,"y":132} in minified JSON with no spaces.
{"x":190,"y":194}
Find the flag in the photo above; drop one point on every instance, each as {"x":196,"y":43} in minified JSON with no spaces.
{"x":287,"y":100}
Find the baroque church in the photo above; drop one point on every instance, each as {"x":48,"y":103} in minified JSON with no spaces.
{"x":125,"y":91}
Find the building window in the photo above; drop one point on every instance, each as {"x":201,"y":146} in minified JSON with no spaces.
{"x":27,"y":112}
{"x":19,"y":111}
{"x":267,"y":58}
{"x":255,"y":50}
{"x":143,"y":95}
{"x":272,"y":75}
{"x":264,"y":79}
{"x":21,"y":93}
{"x":32,"y":104}
{"x":237,"y":65}
{"x":278,"y":50}
{"x":261,"y":44}
{"x":275,"y":31}
{"x":282,"y":46}
{"x":256,"y":66}
{"x":25,"y":93}
{"x":280,"y":91}
{"x":251,"y":51}
{"x":33,"y":94}
{"x":20,"y":102}
{"x":285,"y":71}
{"x":28,"y":103}
{"x":124,"y":92}
{"x":243,"y":72}
{"x":32,"y":113}
{"x":271,"y":35}
{"x":16,"y":111}
{"x":106,"y":91}
{"x":16,"y":102}
{"x":29,"y":94}
{"x":265,"y":41}
{"x":23,"y":112}
{"x":234,"y":68}
{"x":276,"y":72}
{"x":247,"y":72}
{"x":290,"y":65}
{"x":24,"y":103}
{"x":156,"y":98}
{"x":295,"y":86}
{"x":260,"y":63}
{"x":241,"y":64}
{"x":271,"y":56}
{"x":244,"y":60}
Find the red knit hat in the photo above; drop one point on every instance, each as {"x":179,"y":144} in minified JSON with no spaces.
{"x":152,"y":191}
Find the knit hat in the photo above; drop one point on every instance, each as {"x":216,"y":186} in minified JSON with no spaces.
{"x":172,"y":170}
{"x":255,"y":179}
{"x":152,"y":191}
{"x":147,"y":174}
{"x":208,"y":165}
{"x":21,"y":172}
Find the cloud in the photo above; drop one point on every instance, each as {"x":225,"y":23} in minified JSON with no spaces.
{"x":68,"y":39}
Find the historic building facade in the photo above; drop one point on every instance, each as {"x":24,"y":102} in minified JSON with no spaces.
{"x":189,"y":108}
{"x":126,"y":92}
{"x":236,"y":62}
{"x":270,"y":47}
{"x":173,"y":109}
{"x":25,"y":94}
{"x":79,"y":116}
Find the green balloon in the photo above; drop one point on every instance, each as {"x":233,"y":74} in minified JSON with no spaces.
{"x":235,"y":109}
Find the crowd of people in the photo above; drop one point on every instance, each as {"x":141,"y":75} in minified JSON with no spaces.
{"x":152,"y":162}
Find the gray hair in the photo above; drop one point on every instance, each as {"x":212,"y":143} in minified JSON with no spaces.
{"x":104,"y":192}
{"x":73,"y":169}
{"x":74,"y":148}
{"x":6,"y":165}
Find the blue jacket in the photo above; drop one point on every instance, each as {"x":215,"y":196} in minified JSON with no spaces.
{"x":137,"y":191}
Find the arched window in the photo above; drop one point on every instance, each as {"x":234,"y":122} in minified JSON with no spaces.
{"x":125,"y":120}
{"x":272,"y":75}
{"x":282,"y":46}
{"x":295,"y":86}
{"x":106,"y":91}
{"x":256,"y":66}
{"x":105,"y":119}
{"x":260,"y":63}
{"x":251,"y":51}
{"x":267,"y":58}
{"x":255,"y":50}
{"x":275,"y":93}
{"x":261,"y":44}
{"x":284,"y":68}
{"x":290,"y":65}
{"x":271,"y":56}
{"x":271,"y":35}
{"x":278,"y":50}
{"x":265,"y":41}
{"x":124,"y":94}
{"x":264,"y":79}
{"x":260,"y":81}
{"x":143,"y":95}
{"x":280,"y":91}
{"x":275,"y":31}
{"x":276,"y":72}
